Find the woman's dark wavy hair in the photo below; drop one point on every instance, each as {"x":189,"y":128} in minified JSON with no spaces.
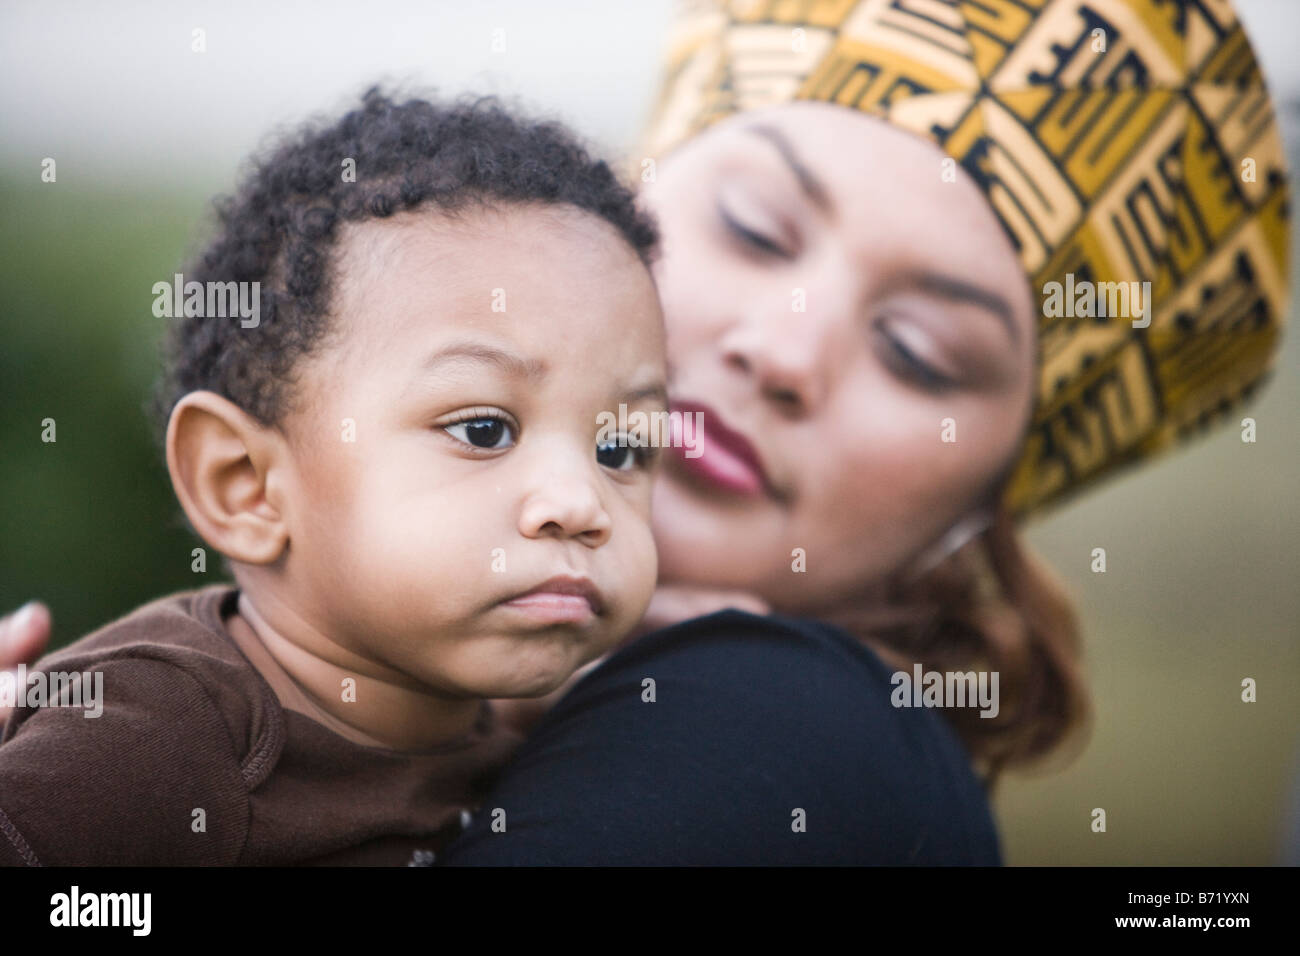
{"x":992,"y":605}
{"x":279,"y":227}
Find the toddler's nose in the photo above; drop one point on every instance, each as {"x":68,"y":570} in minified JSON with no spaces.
{"x":566,"y":504}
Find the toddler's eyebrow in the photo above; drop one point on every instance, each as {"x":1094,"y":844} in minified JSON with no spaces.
{"x":655,"y":390}
{"x":532,"y":369}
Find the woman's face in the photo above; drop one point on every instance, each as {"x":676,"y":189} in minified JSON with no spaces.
{"x":832,"y":300}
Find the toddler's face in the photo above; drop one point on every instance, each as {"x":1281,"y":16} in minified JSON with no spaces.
{"x":445,"y":449}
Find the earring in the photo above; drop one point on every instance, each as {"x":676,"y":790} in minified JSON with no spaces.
{"x":951,"y":542}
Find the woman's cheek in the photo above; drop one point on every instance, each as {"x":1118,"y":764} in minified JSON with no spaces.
{"x":691,"y":278}
{"x":876,"y":504}
{"x":685,"y":312}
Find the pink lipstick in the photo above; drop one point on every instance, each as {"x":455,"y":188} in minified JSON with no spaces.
{"x":724,"y":460}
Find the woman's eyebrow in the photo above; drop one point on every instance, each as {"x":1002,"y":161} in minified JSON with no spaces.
{"x":959,"y":290}
{"x":809,"y":183}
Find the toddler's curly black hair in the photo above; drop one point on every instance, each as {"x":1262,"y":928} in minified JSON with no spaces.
{"x":278,"y":228}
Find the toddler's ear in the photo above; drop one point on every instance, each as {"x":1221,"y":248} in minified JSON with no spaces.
{"x":222,"y":463}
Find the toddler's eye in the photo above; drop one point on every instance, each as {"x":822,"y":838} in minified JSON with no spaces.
{"x":487,"y":431}
{"x":624,"y":457}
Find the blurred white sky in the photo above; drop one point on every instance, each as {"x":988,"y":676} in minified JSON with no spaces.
{"x":115,"y":88}
{"x":113,"y":91}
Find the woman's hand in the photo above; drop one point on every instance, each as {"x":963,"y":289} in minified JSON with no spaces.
{"x":23,"y":636}
{"x":671,"y":604}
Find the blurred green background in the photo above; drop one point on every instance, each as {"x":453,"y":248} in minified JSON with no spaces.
{"x":90,"y":525}
{"x":1202,"y":588}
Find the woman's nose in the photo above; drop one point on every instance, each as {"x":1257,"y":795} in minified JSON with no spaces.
{"x":791,"y":355}
{"x":565,"y":503}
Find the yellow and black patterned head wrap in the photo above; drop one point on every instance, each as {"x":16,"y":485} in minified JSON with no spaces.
{"x":1118,"y":141}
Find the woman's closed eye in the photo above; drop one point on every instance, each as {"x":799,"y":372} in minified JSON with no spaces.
{"x":908,"y":365}
{"x":753,"y":237}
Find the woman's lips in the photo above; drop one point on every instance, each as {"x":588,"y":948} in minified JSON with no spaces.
{"x":719,"y":457}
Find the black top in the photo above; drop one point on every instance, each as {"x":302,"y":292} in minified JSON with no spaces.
{"x":736,"y":739}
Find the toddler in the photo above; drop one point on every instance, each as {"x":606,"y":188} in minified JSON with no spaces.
{"x":393,"y":441}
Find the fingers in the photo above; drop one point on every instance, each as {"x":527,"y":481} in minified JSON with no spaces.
{"x":702,"y":601}
{"x":671,"y":604}
{"x":23,"y":636}
{"x":747,"y":602}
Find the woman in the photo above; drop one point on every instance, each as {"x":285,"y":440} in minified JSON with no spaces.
{"x":865,"y":207}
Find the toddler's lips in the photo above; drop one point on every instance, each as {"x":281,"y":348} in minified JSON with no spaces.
{"x":560,"y":600}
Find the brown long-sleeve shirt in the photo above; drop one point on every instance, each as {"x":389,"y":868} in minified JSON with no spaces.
{"x":193,"y":760}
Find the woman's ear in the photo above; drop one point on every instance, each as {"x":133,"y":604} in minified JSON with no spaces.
{"x":226,"y":468}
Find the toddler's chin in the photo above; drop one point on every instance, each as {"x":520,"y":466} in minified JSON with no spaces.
{"x":522,"y":685}
{"x":506,"y":662}
{"x":530,"y":671}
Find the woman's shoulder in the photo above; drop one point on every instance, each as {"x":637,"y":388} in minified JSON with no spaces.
{"x":794,"y":659}
{"x":769,"y":712}
{"x":766,"y":641}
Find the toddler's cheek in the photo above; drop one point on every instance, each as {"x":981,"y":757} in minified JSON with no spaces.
{"x":641,"y":567}
{"x":400,"y":574}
